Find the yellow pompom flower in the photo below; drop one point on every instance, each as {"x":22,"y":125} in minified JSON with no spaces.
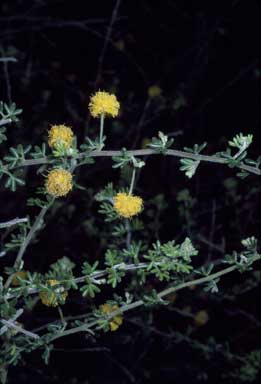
{"x":115,"y":321}
{"x":127,"y":205}
{"x":21,"y":274}
{"x":58,"y":182}
{"x":154,"y":91}
{"x":201,"y":318}
{"x":104,"y":103}
{"x":52,"y":299}
{"x":60,"y":135}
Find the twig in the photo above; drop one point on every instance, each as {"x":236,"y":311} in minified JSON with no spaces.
{"x":94,"y":349}
{"x":106,"y":41}
{"x":122,"y":367}
{"x":96,"y":277}
{"x":12,"y":222}
{"x":8,"y":59}
{"x":132,"y":181}
{"x":28,"y":239}
{"x":128,"y":235}
{"x":139,"y":303}
{"x":8,"y":83}
{"x":10,"y":324}
{"x":146,"y":152}
{"x":13,"y":318}
{"x":5,"y":121}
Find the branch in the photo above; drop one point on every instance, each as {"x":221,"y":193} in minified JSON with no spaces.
{"x":12,"y":222}
{"x":8,"y":59}
{"x":139,"y":303}
{"x":13,"y":318}
{"x":95,"y":276}
{"x":28,"y":239}
{"x":10,"y":324}
{"x":5,"y":121}
{"x":146,"y":152}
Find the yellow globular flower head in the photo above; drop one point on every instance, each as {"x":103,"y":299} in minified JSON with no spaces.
{"x":115,"y":321}
{"x":104,"y":103}
{"x":154,"y":91}
{"x":53,"y":299}
{"x":201,"y":318}
{"x":21,"y":274}
{"x":60,"y":135}
{"x":58,"y":182}
{"x":127,"y":205}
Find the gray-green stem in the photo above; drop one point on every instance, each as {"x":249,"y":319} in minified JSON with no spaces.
{"x":146,"y":152}
{"x":101,"y":131}
{"x":132,"y":181}
{"x":28,"y":239}
{"x":165,"y":292}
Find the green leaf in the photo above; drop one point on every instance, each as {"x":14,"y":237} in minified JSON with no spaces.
{"x":187,"y":250}
{"x":161,"y":144}
{"x":189,"y":166}
{"x":2,"y":135}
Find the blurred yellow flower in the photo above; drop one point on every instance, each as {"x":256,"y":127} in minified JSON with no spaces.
{"x":154,"y":91}
{"x":52,"y":299}
{"x":201,"y":318}
{"x":120,"y":45}
{"x":21,"y":274}
{"x":115,"y":321}
{"x":60,"y":135}
{"x":127,"y":205}
{"x":58,"y":182}
{"x":104,"y":103}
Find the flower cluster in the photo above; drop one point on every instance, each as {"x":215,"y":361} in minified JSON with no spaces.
{"x":60,"y":135}
{"x":115,"y":321}
{"x":58,"y":182}
{"x":104,"y":103}
{"x":127,"y":205}
{"x":53,"y":299}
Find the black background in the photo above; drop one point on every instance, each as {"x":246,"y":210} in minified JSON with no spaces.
{"x":208,"y":52}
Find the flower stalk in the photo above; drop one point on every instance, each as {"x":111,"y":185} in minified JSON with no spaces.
{"x":132,"y":181}
{"x":101,"y":131}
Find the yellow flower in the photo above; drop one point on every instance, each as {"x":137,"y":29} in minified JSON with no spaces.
{"x":201,"y":318}
{"x":120,"y":45}
{"x":52,"y":299}
{"x":127,"y":205}
{"x":60,"y":135}
{"x":154,"y":91}
{"x":104,"y":103}
{"x":15,"y":281}
{"x":115,"y":321}
{"x":58,"y":182}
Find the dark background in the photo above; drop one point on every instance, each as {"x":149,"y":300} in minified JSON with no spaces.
{"x":205,"y":56}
